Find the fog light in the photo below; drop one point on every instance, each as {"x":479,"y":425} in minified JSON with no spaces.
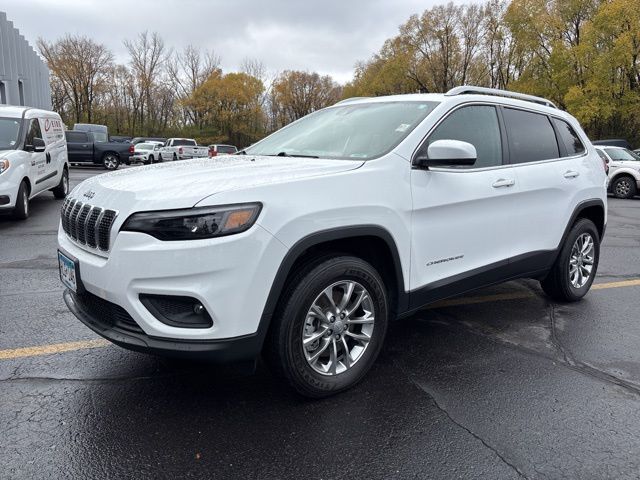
{"x":177,"y":311}
{"x":198,"y":309}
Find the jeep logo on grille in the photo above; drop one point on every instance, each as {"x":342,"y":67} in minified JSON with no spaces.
{"x":90,"y":194}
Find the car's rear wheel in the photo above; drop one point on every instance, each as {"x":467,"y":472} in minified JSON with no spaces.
{"x":575,"y":268}
{"x":329,"y":326}
{"x":150,"y":160}
{"x":21,"y":210}
{"x":110,"y":161}
{"x":62,"y":189}
{"x":175,"y":157}
{"x":624,"y":187}
{"x":160,"y":158}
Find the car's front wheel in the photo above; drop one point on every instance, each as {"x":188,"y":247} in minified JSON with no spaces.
{"x":329,"y":326}
{"x":575,"y":268}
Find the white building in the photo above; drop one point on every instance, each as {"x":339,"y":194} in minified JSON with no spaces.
{"x":24,"y":76}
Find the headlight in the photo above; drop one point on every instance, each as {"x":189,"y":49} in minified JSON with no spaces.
{"x":194,"y":223}
{"x":4,"y":165}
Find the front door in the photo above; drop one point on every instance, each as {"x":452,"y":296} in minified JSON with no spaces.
{"x":461,"y":227}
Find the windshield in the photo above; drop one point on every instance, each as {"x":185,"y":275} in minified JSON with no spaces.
{"x":9,"y":130}
{"x":620,"y":154}
{"x":361,"y":131}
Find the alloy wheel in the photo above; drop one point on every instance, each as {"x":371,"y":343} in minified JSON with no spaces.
{"x":338,"y":327}
{"x":581,"y":260}
{"x":623,"y":187}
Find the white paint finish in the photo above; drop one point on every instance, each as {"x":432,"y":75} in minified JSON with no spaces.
{"x":474,"y":217}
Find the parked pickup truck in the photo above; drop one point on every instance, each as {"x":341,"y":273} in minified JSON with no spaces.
{"x":181,"y":149}
{"x":87,"y":147}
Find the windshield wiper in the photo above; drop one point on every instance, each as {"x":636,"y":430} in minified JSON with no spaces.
{"x":285,"y":154}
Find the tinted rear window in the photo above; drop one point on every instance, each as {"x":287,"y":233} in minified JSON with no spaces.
{"x":184,"y":143}
{"x":569,"y":137}
{"x":226,"y":149}
{"x":531,"y":136}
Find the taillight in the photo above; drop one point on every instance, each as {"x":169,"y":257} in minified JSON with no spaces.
{"x":180,"y":151}
{"x":132,"y":148}
{"x":212,"y":153}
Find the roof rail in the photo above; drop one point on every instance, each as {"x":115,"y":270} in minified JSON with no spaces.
{"x":349,"y":100}
{"x":471,"y":90}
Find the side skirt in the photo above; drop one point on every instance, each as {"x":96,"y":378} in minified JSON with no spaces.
{"x":530,"y":265}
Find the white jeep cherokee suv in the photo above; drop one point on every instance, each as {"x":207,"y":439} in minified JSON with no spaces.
{"x":303,"y":246}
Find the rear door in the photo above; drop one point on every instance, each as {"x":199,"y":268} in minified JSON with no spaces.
{"x":546,"y":157}
{"x":78,"y":147}
{"x":462,"y":217}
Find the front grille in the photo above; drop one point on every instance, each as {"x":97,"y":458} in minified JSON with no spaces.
{"x":87,"y":224}
{"x":107,"y":313}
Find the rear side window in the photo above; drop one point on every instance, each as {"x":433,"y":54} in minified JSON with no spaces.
{"x":531,"y":136}
{"x":477,"y":125}
{"x":569,"y":137}
{"x":76,"y":137}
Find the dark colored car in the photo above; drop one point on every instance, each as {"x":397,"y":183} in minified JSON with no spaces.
{"x":137,"y":140}
{"x":614,"y":142}
{"x":88,"y":147}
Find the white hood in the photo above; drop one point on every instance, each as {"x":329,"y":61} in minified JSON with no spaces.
{"x":183,"y":184}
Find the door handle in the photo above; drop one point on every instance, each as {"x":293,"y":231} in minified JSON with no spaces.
{"x":503,"y":182}
{"x":571,"y":174}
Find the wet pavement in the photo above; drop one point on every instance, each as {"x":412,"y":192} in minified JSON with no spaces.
{"x":498,"y":384}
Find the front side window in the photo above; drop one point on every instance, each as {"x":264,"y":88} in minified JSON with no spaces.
{"x":352,"y":132}
{"x":531,"y":136}
{"x":569,"y":138}
{"x":9,"y":131}
{"x":33,"y":131}
{"x":477,"y":125}
{"x":622,"y":155}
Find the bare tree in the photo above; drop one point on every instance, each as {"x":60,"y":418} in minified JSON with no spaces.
{"x":80,"y":67}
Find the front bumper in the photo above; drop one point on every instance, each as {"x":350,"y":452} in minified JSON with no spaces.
{"x":230,"y":276}
{"x":8,"y":191}
{"x":225,"y":350}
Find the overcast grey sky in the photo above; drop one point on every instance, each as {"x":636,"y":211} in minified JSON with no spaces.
{"x":327,"y":36}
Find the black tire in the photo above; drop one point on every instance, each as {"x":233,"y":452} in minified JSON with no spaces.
{"x":110,"y":161}
{"x":557,"y":284}
{"x":21,"y":210}
{"x":624,"y":187}
{"x":160,"y":158}
{"x":150,"y":160}
{"x":284,"y":351}
{"x":175,"y":157}
{"x":62,"y":189}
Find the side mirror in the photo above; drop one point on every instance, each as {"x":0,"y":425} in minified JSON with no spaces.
{"x":443,"y":153}
{"x":37,"y":145}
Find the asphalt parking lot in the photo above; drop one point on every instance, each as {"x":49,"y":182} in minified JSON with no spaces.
{"x":498,"y":384}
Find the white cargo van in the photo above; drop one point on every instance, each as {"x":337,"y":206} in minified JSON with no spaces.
{"x":33,"y":157}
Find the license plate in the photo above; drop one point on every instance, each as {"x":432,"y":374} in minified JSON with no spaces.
{"x":68,"y":272}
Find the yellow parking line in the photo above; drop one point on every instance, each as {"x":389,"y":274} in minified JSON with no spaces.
{"x":85,"y":344}
{"x":622,"y":283}
{"x":53,"y":348}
